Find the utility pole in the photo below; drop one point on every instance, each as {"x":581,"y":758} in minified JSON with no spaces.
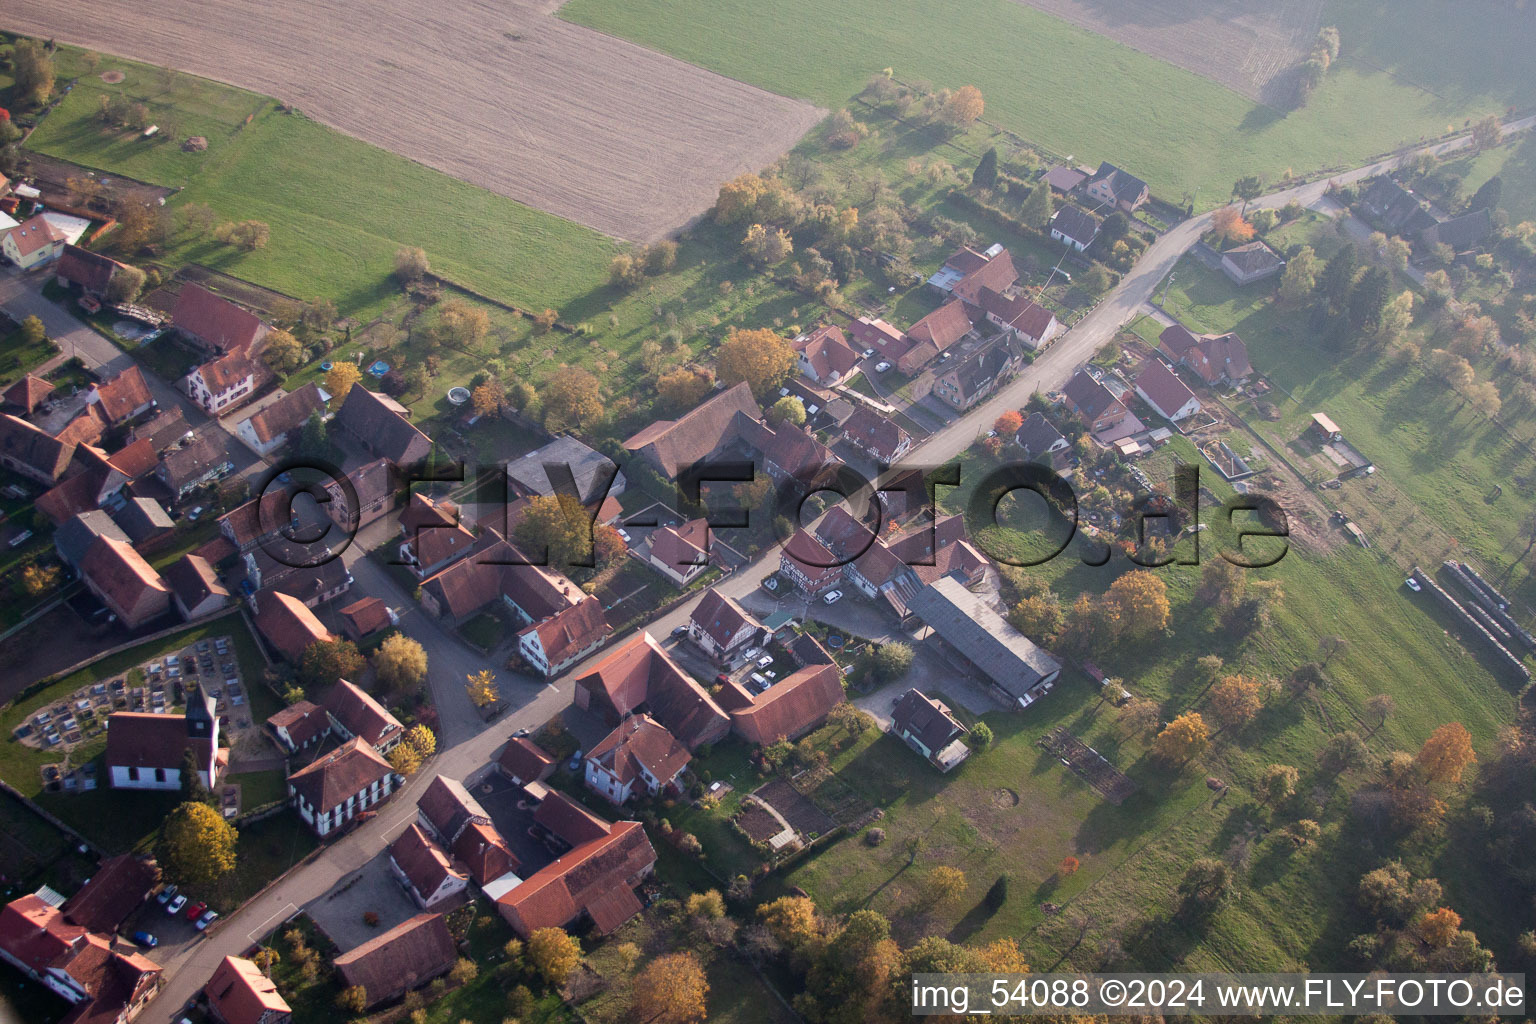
{"x":1166,"y":287}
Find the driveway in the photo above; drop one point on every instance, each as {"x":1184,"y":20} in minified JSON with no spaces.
{"x":373,"y":889}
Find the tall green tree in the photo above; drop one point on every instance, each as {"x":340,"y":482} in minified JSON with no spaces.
{"x":985,"y":174}
{"x":1368,"y":298}
{"x":1338,"y":278}
{"x":1038,"y":207}
{"x":1488,"y":195}
{"x":192,"y":789}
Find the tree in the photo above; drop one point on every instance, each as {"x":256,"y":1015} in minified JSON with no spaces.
{"x":1342,"y":752}
{"x":759,"y":356}
{"x":487,"y":398}
{"x":404,"y":759}
{"x":554,"y":954}
{"x":1247,"y":189}
{"x":192,"y":788}
{"x":1205,"y":884}
{"x":626,"y":272}
{"x":572,"y":398}
{"x":1182,"y":739}
{"x":670,"y":990}
{"x":37,"y":580}
{"x":32,"y":331}
{"x":31,"y":72}
{"x":1140,"y":602}
{"x":1068,"y":866}
{"x":340,"y":379}
{"x":1447,"y":753}
{"x":462,"y":326}
{"x":789,"y":409}
{"x":196,"y":846}
{"x":981,"y":736}
{"x":1008,"y":423}
{"x":1338,"y":277}
{"x":1380,"y":707}
{"x":1368,"y":298}
{"x":738,"y":198}
{"x":1487,"y":195}
{"x":126,"y":284}
{"x":1277,"y":783}
{"x":1037,"y":616}
{"x":1487,"y":132}
{"x":891,"y":660}
{"x":557,"y":524}
{"x":326,"y":661}
{"x":793,"y":920}
{"x":1096,"y":280}
{"x":1038,"y":207}
{"x":282,"y":353}
{"x":353,"y":999}
{"x":1235,"y":700}
{"x":944,"y":884}
{"x":313,"y":442}
{"x":708,"y":904}
{"x":985,"y":174}
{"x":400,"y":662}
{"x":411,"y":264}
{"x":660,"y":257}
{"x":483,"y":688}
{"x":1300,"y":277}
{"x":684,"y":387}
{"x":767,"y":246}
{"x":422,"y":738}
{"x":963,"y":107}
{"x":1229,"y":224}
{"x":197,"y":219}
{"x":1439,"y":927}
{"x":249,"y":235}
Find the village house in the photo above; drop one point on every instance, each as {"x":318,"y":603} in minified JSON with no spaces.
{"x":426,"y":871}
{"x":1106,"y":416}
{"x":238,"y":993}
{"x":28,"y":451}
{"x":523,"y":761}
{"x":263,"y":519}
{"x":365,"y":617}
{"x":195,"y":587}
{"x":33,"y":244}
{"x":1074,"y":227}
{"x":978,"y":373}
{"x":967,"y":272}
{"x":215,"y":325}
{"x":1113,"y":187}
{"x":297,"y":570}
{"x":298,"y":725}
{"x":930,"y":728}
{"x":787,"y":451}
{"x":145,"y":750}
{"x":680,"y":553}
{"x":334,"y":789}
{"x":882,"y":439}
{"x":1064,"y":179}
{"x":1030,"y":322}
{"x":117,"y":888}
{"x":26,"y":396}
{"x":1254,"y":261}
{"x":195,"y":461}
{"x":1040,"y":438}
{"x":491,"y":865}
{"x":556,"y":643}
{"x":788,"y":709}
{"x":671,"y":445}
{"x":935,"y":333}
{"x":967,"y":630}
{"x":221,"y":384}
{"x":1215,"y":358}
{"x":288,"y":626}
{"x":281,"y":421}
{"x":825,"y":357}
{"x":1161,"y":388}
{"x":143,"y":520}
{"x":721,"y":627}
{"x":638,"y":676}
{"x":1462,"y":234}
{"x":75,"y":536}
{"x":595,"y":476}
{"x":125,"y":582}
{"x":878,"y":337}
{"x":595,"y":879}
{"x":808,"y":564}
{"x":162,"y":431}
{"x":101,"y":984}
{"x":445,"y":809}
{"x":122,"y":398}
{"x":401,"y":960}
{"x":499,"y":572}
{"x":89,"y":273}
{"x":363,"y":495}
{"x":93,"y":483}
{"x":1394,"y":208}
{"x":355,"y":714}
{"x":639,"y":752}
{"x":382,"y":427}
{"x":434,"y":536}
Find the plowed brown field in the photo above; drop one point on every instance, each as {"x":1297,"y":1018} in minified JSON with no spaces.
{"x":1251,"y":48}
{"x":559,"y":117}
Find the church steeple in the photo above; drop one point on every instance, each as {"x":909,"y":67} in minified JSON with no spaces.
{"x":200,"y":713}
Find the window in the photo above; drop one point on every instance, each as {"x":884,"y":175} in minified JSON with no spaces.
{"x":133,"y":775}
{"x":159,"y":774}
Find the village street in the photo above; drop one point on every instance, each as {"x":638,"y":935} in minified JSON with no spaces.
{"x":467,"y":744}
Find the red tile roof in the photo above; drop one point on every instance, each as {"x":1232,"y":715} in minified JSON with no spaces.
{"x":448,"y":807}
{"x":881,"y":436}
{"x":368,"y":615}
{"x":569,"y":820}
{"x":808,"y":555}
{"x":45,"y":456}
{"x":123,"y":395}
{"x":884,"y":338}
{"x":720,"y":617}
{"x":143,"y":740}
{"x":1023,"y":315}
{"x":640,"y":672}
{"x":1162,"y":388}
{"x":85,"y":428}
{"x":998,"y":274}
{"x":425,"y":864}
{"x":288,"y":625}
{"x":287,"y":414}
{"x":405,"y":957}
{"x":35,"y":233}
{"x":640,"y":742}
{"x":121,"y":575}
{"x":681,"y":547}
{"x":29,"y":392}
{"x":240,"y":994}
{"x":570,"y":630}
{"x":113,"y":892}
{"x":944,"y":326}
{"x":671,"y":444}
{"x":217,"y":323}
{"x":827,"y":351}
{"x":346,"y":771}
{"x":591,"y":878}
{"x":791,"y":706}
{"x":525,"y":761}
{"x":226,"y":372}
{"x":303,"y":721}
{"x":136,"y":459}
{"x":483,"y":852}
{"x":35,"y":933}
{"x":926,"y":718}
{"x":79,"y":493}
{"x":360,"y":714}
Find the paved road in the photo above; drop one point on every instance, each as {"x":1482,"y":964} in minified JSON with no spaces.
{"x":468,"y":745}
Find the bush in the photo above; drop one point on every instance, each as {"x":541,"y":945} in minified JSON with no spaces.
{"x":875,"y":836}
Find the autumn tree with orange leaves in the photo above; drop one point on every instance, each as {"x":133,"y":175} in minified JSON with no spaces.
{"x":1228,"y":222}
{"x":1438,"y":928}
{"x":1182,"y":739}
{"x":671,"y":990}
{"x":1447,"y":753}
{"x":1235,"y":700}
{"x":963,"y":107}
{"x":1139,"y":601}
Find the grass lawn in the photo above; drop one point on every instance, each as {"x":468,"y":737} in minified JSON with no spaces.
{"x":257,"y":789}
{"x":484,"y":631}
{"x":17,"y":357}
{"x":1408,"y":70}
{"x":321,"y":193}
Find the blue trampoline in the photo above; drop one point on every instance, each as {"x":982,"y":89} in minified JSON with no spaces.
{"x":379,"y":368}
{"x":326,"y":366}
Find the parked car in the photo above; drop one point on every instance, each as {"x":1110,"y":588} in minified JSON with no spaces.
{"x":207,"y":919}
{"x":770,"y":583}
{"x":195,"y":911}
{"x":575,"y":762}
{"x":679,"y":632}
{"x":765,"y":661}
{"x":624,"y":535}
{"x":146,"y":940}
{"x":1413,"y":585}
{"x":192,"y":516}
{"x":882,"y":366}
{"x":21,"y":538}
{"x":833,"y":596}
{"x":174,"y":907}
{"x":166,"y":895}
{"x":868,"y":352}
